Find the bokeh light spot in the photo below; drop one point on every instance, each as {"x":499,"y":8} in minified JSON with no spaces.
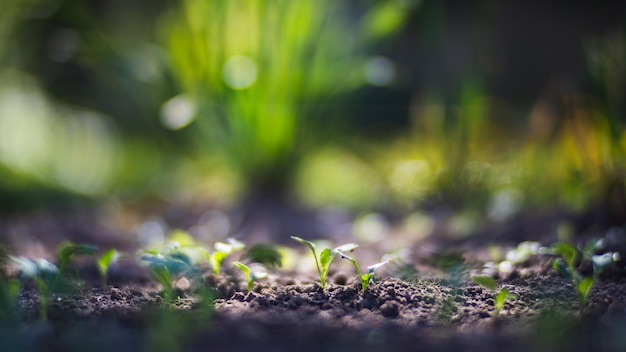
{"x":239,"y":72}
{"x":178,"y":112}
{"x":380,"y":71}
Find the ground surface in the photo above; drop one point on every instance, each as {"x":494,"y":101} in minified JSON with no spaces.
{"x":291,"y":312}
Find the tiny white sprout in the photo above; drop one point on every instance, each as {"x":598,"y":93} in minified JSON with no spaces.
{"x":235,"y":245}
{"x":616,"y":257}
{"x":346,"y":248}
{"x":343,"y":256}
{"x":603,"y":260}
{"x":222,"y":247}
{"x":46,"y":266}
{"x":505,"y":267}
{"x":374,"y":267}
{"x":27,"y":266}
{"x":258,"y":275}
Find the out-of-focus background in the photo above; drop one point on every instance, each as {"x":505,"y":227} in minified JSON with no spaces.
{"x":436,"y":116}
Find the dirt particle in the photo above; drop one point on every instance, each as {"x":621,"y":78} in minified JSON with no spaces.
{"x":341,"y":280}
{"x":390,"y":309}
{"x":116,"y":295}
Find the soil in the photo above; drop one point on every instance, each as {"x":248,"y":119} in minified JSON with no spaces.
{"x":289,"y":311}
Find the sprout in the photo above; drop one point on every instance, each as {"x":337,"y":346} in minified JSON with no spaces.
{"x":251,"y":276}
{"x":43,"y":273}
{"x":368,"y":277}
{"x":566,"y":266}
{"x":164,"y":268}
{"x":104,"y":263}
{"x":222,"y":251}
{"x":326,"y":257}
{"x":499,"y":297}
{"x":68,"y":250}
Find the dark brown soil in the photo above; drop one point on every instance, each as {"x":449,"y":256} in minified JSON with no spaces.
{"x":291,"y":312}
{"x":286,"y":315}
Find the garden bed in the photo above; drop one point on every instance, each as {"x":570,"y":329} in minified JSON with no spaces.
{"x":434,"y":307}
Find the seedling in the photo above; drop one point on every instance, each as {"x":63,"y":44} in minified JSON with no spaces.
{"x":251,"y":276}
{"x":9,"y":293}
{"x":326,"y":257}
{"x":68,"y":251}
{"x":566,"y":266}
{"x":368,"y":277}
{"x":499,"y":297}
{"x":222,"y":251}
{"x":104,"y":263}
{"x":164,"y":268}
{"x":43,"y":273}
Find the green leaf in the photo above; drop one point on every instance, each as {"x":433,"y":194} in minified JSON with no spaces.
{"x":44,"y":296}
{"x":216,"y":260}
{"x":244,"y":268}
{"x":161,"y":274}
{"x":500,"y":298}
{"x":567,"y":251}
{"x":485,"y":281}
{"x":325,"y":258}
{"x":559,"y":266}
{"x":69,"y":250}
{"x":584,"y":288}
{"x":311,"y":245}
{"x":109,"y":257}
{"x":246,"y":271}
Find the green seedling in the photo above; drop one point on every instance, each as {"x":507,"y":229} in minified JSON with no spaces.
{"x":499,"y":296}
{"x":44,"y":274}
{"x":104,"y":262}
{"x":251,"y":276}
{"x":326,"y":257}
{"x":9,"y":293}
{"x":68,"y":251}
{"x":368,"y":277}
{"x":222,"y":251}
{"x":567,"y":262}
{"x":566,"y":266}
{"x":165,"y":268}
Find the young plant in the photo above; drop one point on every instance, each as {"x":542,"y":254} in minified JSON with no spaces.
{"x":368,"y":277}
{"x":164,"y":268}
{"x":251,"y":276}
{"x":499,"y":297}
{"x":44,"y":274}
{"x":68,"y":251}
{"x":566,"y":266}
{"x":104,"y":263}
{"x":9,"y":293}
{"x":326,"y":257}
{"x":222,"y":251}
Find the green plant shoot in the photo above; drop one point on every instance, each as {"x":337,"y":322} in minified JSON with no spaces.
{"x":566,"y":266}
{"x":67,"y":252}
{"x":104,"y":263}
{"x":164,"y":268}
{"x":251,"y":276}
{"x":222,"y":251}
{"x":368,"y":277}
{"x":44,"y":274}
{"x":499,"y":296}
{"x":326,"y":257}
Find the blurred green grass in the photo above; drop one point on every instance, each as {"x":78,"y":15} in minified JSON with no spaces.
{"x":220,"y":100}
